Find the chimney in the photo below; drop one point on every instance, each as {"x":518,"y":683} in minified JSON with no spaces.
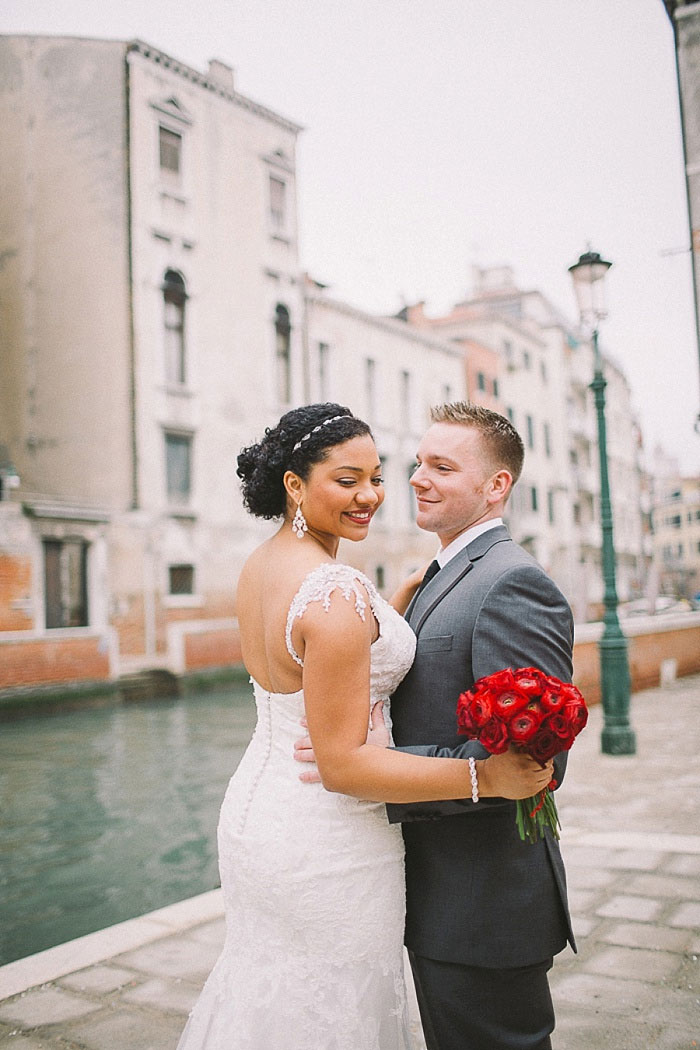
{"x":220,"y":75}
{"x":414,"y":313}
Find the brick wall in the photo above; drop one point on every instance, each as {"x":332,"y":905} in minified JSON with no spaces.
{"x":82,"y":655}
{"x":129,"y":625}
{"x":219,"y":648}
{"x":15,"y":588}
{"x":43,"y":660}
{"x":197,"y":644}
{"x":650,"y":642}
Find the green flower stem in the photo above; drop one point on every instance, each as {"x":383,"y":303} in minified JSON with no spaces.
{"x":533,"y":815}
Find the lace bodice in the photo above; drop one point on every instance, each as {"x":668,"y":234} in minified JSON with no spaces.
{"x":393,"y":651}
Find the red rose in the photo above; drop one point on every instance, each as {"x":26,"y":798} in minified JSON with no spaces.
{"x":494,"y":736}
{"x":561,"y":727}
{"x":474,"y":710}
{"x":499,"y":680}
{"x":535,"y":708}
{"x":481,"y":707}
{"x":465,"y":720}
{"x":552,"y":699}
{"x":530,"y":680}
{"x":509,"y":702}
{"x":523,"y":726}
{"x":545,"y":745}
{"x":575,"y":711}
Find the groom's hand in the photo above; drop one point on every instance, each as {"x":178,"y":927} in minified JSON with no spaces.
{"x":514,"y":775}
{"x":304,"y":752}
{"x":378,"y":735}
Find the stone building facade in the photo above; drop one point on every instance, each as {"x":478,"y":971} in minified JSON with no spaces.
{"x":675,"y":521}
{"x":152,"y":316}
{"x":154,"y":320}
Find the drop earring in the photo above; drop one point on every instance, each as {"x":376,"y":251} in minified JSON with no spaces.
{"x":299,"y":526}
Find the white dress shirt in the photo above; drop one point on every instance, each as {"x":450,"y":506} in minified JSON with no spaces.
{"x":458,"y":544}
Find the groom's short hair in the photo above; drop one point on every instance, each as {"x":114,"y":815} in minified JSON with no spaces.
{"x":502,"y":442}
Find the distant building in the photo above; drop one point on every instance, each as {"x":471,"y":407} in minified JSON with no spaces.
{"x":675,"y":518}
{"x":482,"y":364}
{"x":543,"y":371}
{"x":390,"y":375}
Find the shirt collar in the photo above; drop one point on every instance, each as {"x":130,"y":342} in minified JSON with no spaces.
{"x":464,"y":539}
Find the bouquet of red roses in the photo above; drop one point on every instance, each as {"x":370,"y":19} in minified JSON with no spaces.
{"x":533,"y":712}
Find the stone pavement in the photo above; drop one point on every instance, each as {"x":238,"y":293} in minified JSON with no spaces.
{"x":631,"y":840}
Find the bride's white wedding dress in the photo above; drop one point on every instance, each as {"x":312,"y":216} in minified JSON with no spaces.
{"x":313,"y":882}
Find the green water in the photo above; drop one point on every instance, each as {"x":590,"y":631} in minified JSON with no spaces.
{"x":108,"y":813}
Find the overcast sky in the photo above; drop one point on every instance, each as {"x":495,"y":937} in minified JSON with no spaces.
{"x":450,"y":133}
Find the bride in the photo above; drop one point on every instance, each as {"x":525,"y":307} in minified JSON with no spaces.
{"x":312,"y":874}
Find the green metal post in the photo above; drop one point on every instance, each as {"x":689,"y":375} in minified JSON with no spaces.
{"x":618,"y":736}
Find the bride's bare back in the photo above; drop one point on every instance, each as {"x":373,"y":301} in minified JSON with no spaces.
{"x":268,"y":582}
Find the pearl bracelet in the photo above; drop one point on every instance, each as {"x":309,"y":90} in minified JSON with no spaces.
{"x":475,"y":782}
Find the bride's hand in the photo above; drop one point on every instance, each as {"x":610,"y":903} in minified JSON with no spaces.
{"x":514,"y":775}
{"x":378,"y":735}
{"x":304,"y":752}
{"x":401,"y":598}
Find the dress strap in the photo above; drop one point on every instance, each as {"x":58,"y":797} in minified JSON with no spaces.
{"x":318,"y":586}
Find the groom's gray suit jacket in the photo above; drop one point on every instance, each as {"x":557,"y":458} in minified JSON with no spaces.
{"x":476,"y":894}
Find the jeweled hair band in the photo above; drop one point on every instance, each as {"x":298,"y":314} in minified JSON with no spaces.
{"x":315,"y":430}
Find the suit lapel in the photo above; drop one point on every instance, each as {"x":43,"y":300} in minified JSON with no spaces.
{"x":438,"y":587}
{"x":455,"y":570}
{"x":483,"y":543}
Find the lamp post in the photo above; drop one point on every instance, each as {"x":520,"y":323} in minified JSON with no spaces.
{"x":617,"y":737}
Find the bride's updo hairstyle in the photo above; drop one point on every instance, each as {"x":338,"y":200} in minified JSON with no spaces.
{"x":301,"y":439}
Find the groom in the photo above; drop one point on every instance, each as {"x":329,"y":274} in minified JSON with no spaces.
{"x":486,"y":912}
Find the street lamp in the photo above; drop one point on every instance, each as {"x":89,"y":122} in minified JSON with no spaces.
{"x":617,"y":737}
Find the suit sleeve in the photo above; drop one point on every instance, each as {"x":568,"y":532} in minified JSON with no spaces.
{"x":524,"y":621}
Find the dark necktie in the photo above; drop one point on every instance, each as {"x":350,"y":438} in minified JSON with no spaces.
{"x":432,"y":570}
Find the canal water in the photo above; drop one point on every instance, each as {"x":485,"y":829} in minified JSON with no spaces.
{"x":111,"y":812}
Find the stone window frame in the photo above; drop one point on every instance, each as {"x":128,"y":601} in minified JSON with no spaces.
{"x":63,"y":523}
{"x":172,"y":117}
{"x":277,"y":166}
{"x":176,"y":508}
{"x":192,"y":600}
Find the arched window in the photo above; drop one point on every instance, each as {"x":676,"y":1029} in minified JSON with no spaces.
{"x":283,"y":343}
{"x":174,"y":299}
